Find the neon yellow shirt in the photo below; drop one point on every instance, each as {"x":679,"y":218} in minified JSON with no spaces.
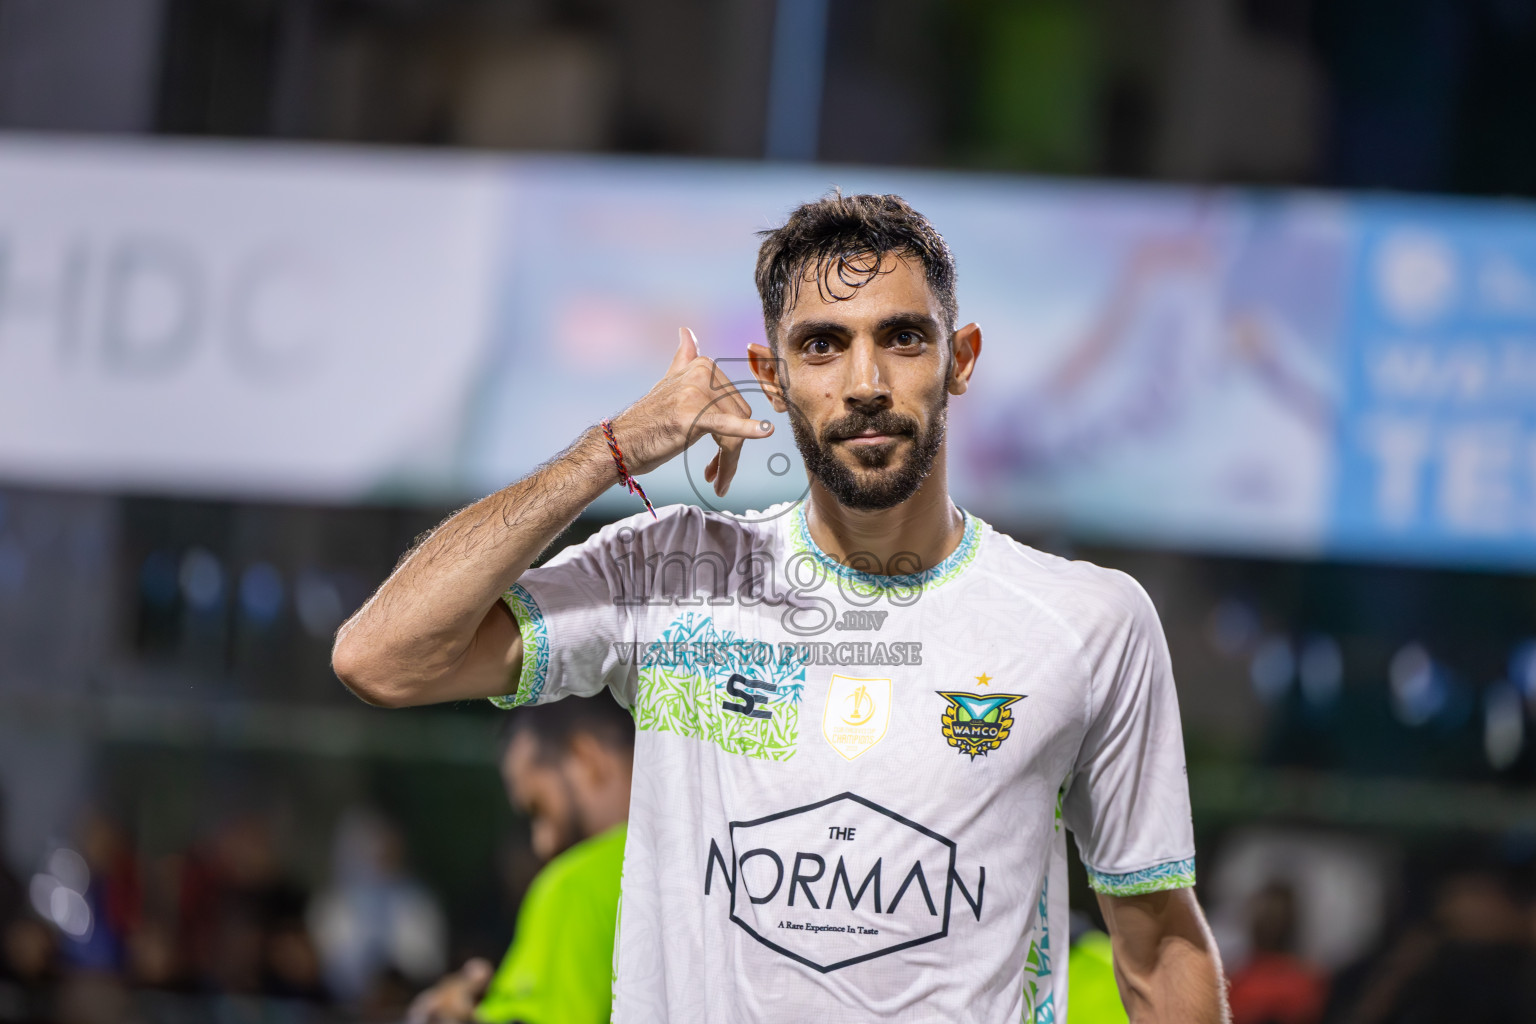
{"x":1092,"y":995}
{"x":560,"y":967}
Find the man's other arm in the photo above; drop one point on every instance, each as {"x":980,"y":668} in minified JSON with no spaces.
{"x":1166,"y":962}
{"x":433,"y":631}
{"x":436,"y":630}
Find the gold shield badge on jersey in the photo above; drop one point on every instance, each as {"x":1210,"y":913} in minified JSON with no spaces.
{"x":857,"y":714}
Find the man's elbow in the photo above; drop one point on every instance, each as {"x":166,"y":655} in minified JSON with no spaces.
{"x":367,"y":675}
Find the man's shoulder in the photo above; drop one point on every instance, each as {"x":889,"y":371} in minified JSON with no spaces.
{"x":1082,"y":588}
{"x":680,"y":528}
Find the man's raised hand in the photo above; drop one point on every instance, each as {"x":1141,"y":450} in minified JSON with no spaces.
{"x":693,"y":398}
{"x":452,"y":1000}
{"x":436,"y":630}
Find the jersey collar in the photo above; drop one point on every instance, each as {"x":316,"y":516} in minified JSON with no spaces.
{"x":956,"y":562}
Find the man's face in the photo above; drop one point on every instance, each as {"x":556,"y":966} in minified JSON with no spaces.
{"x":865,"y":379}
{"x":541,"y":789}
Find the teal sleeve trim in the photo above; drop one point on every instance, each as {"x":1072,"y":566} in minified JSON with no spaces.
{"x":530,"y":623}
{"x":1175,"y":874}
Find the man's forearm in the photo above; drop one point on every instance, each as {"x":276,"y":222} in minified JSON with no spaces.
{"x":1185,"y":987}
{"x":419,"y":625}
{"x":1166,"y":962}
{"x":432,"y":632}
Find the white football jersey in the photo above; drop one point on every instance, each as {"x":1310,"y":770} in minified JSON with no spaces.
{"x":850,"y":788}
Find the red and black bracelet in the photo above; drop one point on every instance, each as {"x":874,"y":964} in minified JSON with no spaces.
{"x":618,"y":460}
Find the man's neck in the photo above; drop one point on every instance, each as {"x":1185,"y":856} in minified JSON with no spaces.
{"x":606,"y":807}
{"x":918,"y":534}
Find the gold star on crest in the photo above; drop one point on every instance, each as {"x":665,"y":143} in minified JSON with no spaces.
{"x":983,"y":680}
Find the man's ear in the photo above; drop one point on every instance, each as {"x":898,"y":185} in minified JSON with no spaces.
{"x":966,"y":348}
{"x":587,"y":757}
{"x":595,"y":763}
{"x":769,"y":371}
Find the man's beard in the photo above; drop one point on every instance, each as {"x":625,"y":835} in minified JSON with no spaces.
{"x":571,"y":828}
{"x":890,"y":487}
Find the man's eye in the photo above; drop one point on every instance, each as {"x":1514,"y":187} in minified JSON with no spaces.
{"x":818,"y":347}
{"x":907,"y":338}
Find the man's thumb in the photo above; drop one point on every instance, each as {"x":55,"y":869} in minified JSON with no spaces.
{"x":476,"y":972}
{"x":687,"y":350}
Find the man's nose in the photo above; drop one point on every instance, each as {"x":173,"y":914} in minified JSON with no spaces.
{"x":866,"y":388}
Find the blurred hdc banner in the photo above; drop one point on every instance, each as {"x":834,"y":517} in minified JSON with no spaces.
{"x":1281,"y":372}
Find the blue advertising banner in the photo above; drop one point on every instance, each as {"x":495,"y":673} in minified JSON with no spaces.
{"x":1437,"y":429}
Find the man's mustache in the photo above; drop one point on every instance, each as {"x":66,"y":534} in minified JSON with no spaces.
{"x":883,"y":422}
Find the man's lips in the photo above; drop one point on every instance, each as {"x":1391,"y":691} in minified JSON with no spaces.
{"x":871,"y":439}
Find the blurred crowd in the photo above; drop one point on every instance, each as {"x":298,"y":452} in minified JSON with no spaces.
{"x":223,"y":931}
{"x":1467,"y":955}
{"x":227,"y":931}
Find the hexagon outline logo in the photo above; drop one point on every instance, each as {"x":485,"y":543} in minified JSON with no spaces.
{"x":949,"y":882}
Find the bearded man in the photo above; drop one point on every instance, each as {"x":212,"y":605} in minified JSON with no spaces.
{"x":828,"y":825}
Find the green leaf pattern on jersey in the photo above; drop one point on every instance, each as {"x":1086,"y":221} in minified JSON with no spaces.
{"x":530,"y":623}
{"x":683,"y":694}
{"x":1175,"y":874}
{"x":1039,"y":996}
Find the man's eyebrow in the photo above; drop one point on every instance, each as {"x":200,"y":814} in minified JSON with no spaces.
{"x":894,"y":322}
{"x":807,"y":328}
{"x":908,"y":321}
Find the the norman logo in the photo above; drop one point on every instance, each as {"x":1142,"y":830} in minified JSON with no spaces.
{"x":838,"y":882}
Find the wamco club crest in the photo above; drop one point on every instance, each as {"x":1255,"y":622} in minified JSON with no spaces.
{"x":975,"y":723}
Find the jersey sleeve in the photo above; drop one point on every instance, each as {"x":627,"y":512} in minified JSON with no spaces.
{"x":575,"y":612}
{"x":1127,"y":802}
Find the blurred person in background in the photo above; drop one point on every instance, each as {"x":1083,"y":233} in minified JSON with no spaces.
{"x":1275,"y":986}
{"x":1093,"y":992}
{"x":1473,"y":962}
{"x":378,"y":930}
{"x":28,"y":951}
{"x":156,"y":955}
{"x":29,"y":975}
{"x":291,"y":963}
{"x":1482,"y":970}
{"x":153,"y":961}
{"x":237,"y":898}
{"x":568,"y":766}
{"x":63,"y":948}
{"x":114,"y":893}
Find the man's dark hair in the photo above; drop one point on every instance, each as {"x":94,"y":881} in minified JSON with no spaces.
{"x":556,"y":723}
{"x":844,"y":240}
